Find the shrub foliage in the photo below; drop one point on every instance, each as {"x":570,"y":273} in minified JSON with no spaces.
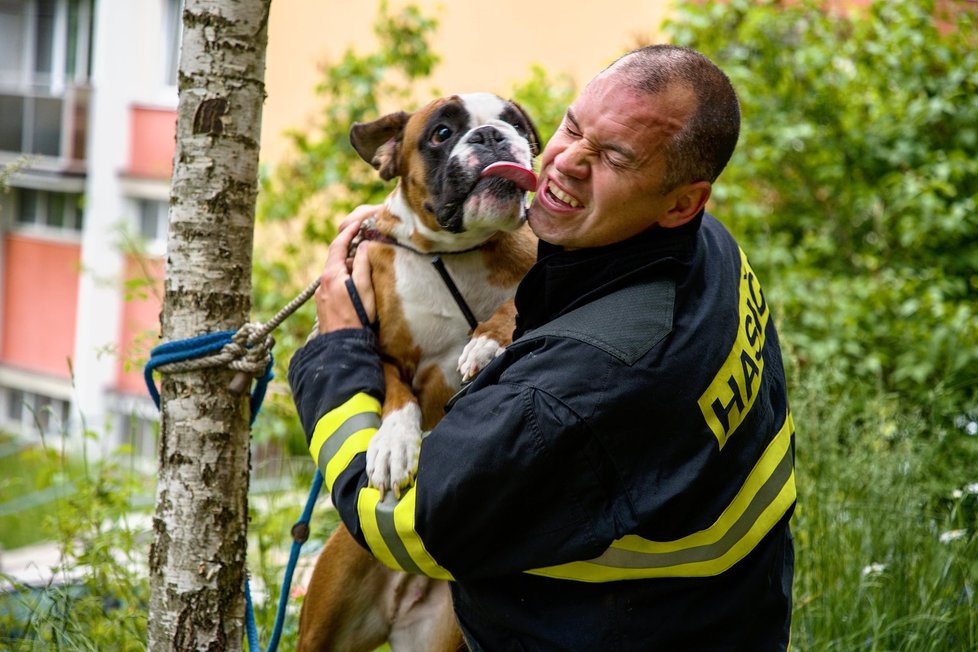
{"x":857,"y":174}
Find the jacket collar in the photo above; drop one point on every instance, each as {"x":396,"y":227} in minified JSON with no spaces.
{"x":562,"y":280}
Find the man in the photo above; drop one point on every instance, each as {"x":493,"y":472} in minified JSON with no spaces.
{"x":621,"y":478}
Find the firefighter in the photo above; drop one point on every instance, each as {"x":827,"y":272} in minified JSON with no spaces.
{"x":621,"y":477}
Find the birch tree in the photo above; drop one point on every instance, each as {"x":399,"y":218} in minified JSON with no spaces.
{"x":197,"y":560}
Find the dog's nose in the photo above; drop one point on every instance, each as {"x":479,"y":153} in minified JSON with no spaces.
{"x":487,"y":135}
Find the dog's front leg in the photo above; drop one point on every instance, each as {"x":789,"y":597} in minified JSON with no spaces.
{"x":392,"y":455}
{"x":489,"y":339}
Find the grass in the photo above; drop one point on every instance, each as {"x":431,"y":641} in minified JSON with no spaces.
{"x":885,"y":535}
{"x":31,"y":481}
{"x":885,"y":531}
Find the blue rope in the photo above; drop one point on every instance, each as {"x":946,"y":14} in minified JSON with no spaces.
{"x":197,"y":347}
{"x":299,"y":533}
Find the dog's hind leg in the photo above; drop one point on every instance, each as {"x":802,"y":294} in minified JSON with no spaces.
{"x":344,"y":607}
{"x":424,"y":620}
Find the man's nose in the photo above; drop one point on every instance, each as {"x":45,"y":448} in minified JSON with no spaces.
{"x":574,"y":161}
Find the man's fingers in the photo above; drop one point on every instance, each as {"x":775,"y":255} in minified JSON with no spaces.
{"x":359,"y":214}
{"x":363,"y":281}
{"x":341,"y":245}
{"x":335,"y":307}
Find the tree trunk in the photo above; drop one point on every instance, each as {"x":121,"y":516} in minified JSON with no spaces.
{"x":197,"y":560}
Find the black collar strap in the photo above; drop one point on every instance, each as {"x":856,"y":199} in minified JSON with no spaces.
{"x":368,"y":231}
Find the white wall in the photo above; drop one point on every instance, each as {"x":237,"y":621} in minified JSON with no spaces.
{"x":127,"y":69}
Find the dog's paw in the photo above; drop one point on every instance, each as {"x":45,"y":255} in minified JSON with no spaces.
{"x":479,"y":352}
{"x":392,"y":454}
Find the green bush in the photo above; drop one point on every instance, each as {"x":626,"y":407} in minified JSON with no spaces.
{"x":99,"y":589}
{"x":854,"y":191}
{"x":856,"y":182}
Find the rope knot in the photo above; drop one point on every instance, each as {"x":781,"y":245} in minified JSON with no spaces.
{"x":247,"y":351}
{"x":250,"y":349}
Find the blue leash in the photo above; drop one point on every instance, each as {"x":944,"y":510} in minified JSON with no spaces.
{"x":300,"y":533}
{"x":197,"y":347}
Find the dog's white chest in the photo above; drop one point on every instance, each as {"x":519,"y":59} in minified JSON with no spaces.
{"x":435,"y":320}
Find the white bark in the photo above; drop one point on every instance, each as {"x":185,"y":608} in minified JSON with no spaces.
{"x":197,"y":561}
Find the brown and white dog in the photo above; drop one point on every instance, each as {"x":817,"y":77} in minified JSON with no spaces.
{"x":463,"y":167}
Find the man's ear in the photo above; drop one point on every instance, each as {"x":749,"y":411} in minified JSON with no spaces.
{"x":379,"y":142}
{"x":688,"y":201}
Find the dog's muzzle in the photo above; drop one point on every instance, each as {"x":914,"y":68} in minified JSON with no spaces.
{"x":498,"y":176}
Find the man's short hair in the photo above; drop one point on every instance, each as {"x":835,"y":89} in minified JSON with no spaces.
{"x":702,"y":148}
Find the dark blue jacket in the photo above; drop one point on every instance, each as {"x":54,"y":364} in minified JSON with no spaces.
{"x":621,"y":478}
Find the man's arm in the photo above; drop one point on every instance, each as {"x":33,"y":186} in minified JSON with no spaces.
{"x":488,"y":497}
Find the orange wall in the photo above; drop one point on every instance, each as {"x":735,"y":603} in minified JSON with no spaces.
{"x":152,"y":142}
{"x":39,"y":304}
{"x":485,"y":46}
{"x":140,"y":328}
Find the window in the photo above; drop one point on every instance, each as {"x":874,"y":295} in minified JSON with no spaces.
{"x":15,"y":405}
{"x":141,"y":434}
{"x":13,"y":41}
{"x":151,"y":224}
{"x":12,"y":125}
{"x":45,"y":48}
{"x":45,"y":43}
{"x":29,"y":413}
{"x":52,"y":211}
{"x":44,"y":38}
{"x":78,"y":54}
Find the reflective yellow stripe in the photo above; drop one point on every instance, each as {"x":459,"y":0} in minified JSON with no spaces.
{"x":732,"y":393}
{"x":762,"y":501}
{"x":388,"y":527}
{"x":342,"y":433}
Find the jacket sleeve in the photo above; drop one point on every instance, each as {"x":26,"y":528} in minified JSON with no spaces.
{"x":485,"y":474}
{"x":337,"y":383}
{"x":330,"y":370}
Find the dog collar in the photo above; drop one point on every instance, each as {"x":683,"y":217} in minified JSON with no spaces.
{"x":369,"y":232}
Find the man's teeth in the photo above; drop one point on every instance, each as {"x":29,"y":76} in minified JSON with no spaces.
{"x":564,"y":197}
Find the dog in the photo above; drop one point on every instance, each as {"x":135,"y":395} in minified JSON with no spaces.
{"x":463,"y":165}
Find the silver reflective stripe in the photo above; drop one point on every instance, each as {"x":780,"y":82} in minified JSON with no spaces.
{"x":385,"y":523}
{"x":618,"y":558}
{"x":347,"y":429}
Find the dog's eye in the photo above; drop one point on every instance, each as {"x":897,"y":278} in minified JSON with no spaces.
{"x":440,"y":135}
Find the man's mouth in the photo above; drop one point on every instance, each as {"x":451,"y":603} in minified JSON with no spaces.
{"x":561,"y":197}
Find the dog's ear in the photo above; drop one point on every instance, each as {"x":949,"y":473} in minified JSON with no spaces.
{"x":534,"y":135}
{"x":379,"y":142}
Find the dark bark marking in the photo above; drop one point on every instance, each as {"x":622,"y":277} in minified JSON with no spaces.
{"x":207,"y":119}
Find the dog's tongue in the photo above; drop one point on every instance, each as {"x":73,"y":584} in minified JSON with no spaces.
{"x":523,"y":177}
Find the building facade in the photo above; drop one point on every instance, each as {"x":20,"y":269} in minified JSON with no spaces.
{"x":87,"y":121}
{"x":87,"y":112}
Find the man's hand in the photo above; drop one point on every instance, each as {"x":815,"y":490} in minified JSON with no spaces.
{"x":334,"y":305}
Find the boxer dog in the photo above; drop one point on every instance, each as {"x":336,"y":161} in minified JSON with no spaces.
{"x":463,"y":168}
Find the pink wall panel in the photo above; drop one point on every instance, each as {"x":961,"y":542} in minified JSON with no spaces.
{"x":40,"y":299}
{"x":140,"y":327}
{"x":152,"y":143}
